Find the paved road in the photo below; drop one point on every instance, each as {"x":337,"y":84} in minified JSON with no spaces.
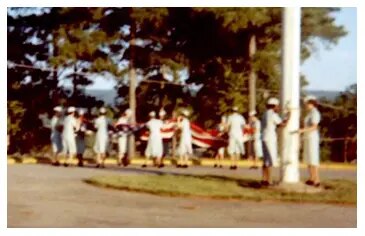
{"x":45,"y":196}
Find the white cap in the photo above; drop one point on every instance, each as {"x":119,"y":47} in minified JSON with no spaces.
{"x":152,"y":114}
{"x":57,"y":109}
{"x":80,"y":112}
{"x":235,"y":108}
{"x":309,"y":98}
{"x":71,"y":109}
{"x":128,"y":112}
{"x":102,"y":110}
{"x":185,"y":112}
{"x":162,"y":113}
{"x":252,"y":113}
{"x":273,"y":101}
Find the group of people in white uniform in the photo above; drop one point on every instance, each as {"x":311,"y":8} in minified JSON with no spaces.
{"x":68,"y":135}
{"x":155,"y":143}
{"x":69,"y":140}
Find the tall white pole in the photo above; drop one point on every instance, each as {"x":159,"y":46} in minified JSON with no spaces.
{"x":290,"y":92}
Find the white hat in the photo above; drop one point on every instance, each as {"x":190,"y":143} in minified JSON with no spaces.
{"x":152,"y":114}
{"x":252,"y":113}
{"x":80,"y":112}
{"x":185,"y":112}
{"x":162,"y":113}
{"x":273,"y":101}
{"x":235,"y":108}
{"x":102,"y":110}
{"x":309,"y":98}
{"x":57,"y":109}
{"x":128,"y":112}
{"x":71,"y":109}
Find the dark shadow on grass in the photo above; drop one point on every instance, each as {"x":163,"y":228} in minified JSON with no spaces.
{"x":244,"y":183}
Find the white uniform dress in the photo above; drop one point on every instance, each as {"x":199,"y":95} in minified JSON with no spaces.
{"x":257,"y":143}
{"x":70,"y":126}
{"x":311,"y":139}
{"x":122,"y":137}
{"x":56,"y":138}
{"x":102,"y":136}
{"x":270,"y":121}
{"x":154,"y":145}
{"x":185,"y":145}
{"x":235,"y":143}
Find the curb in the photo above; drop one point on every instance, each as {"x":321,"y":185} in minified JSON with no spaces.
{"x":200,"y":162}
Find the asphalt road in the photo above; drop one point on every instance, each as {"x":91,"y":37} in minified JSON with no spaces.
{"x":46,"y":196}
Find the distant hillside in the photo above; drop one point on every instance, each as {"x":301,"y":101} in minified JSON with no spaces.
{"x":330,"y":95}
{"x":108,"y":96}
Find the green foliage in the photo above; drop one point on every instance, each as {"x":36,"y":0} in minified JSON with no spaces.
{"x":15,"y":116}
{"x":210,"y":43}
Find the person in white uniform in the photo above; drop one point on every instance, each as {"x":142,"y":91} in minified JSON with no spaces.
{"x":101,"y":138}
{"x":123,"y":135}
{"x":236,"y":123}
{"x":56,"y":138}
{"x":219,"y":157}
{"x":154,"y":147}
{"x":255,"y":124}
{"x":270,"y":121}
{"x":311,"y":140}
{"x":80,"y":137}
{"x":185,"y":149}
{"x":70,"y":127}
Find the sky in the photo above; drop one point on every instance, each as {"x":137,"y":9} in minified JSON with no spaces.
{"x":331,"y":69}
{"x":334,"y":69}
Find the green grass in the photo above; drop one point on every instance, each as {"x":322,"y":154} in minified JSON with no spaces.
{"x":336,"y":191}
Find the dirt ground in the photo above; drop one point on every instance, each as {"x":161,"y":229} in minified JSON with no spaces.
{"x":46,"y":196}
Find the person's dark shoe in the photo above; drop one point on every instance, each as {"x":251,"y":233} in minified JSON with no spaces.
{"x":317,"y":185}
{"x":178,"y":166}
{"x":231,"y":167}
{"x":220,"y":166}
{"x":97,"y":166}
{"x":265,"y":183}
{"x":144,"y":166}
{"x":309,"y":182}
{"x":234,"y":168}
{"x":215,"y":166}
{"x":66,"y":164}
{"x":80,"y":164}
{"x":185,"y":166}
{"x":161,"y":166}
{"x":56,"y":163}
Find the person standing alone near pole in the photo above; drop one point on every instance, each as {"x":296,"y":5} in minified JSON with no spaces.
{"x":311,"y":140}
